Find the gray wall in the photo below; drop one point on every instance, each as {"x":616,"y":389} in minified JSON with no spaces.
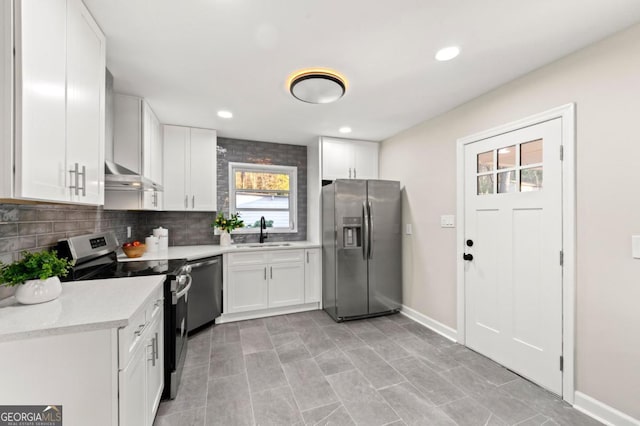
{"x":242,"y":151}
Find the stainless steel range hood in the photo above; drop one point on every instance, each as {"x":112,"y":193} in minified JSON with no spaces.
{"x":119,"y":178}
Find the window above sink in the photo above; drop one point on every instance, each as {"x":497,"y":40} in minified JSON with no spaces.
{"x":257,"y":190}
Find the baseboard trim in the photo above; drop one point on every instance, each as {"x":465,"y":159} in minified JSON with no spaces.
{"x":242,"y":316}
{"x":429,"y":322}
{"x":602,"y":412}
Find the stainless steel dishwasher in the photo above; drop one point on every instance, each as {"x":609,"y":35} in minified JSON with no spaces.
{"x":205,"y":296}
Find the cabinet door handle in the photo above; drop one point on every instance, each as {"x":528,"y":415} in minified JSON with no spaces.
{"x":349,"y":172}
{"x":354,"y":173}
{"x":193,"y":201}
{"x":76,"y":178}
{"x":84,"y":181}
{"x":271,"y":272}
{"x":186,"y":201}
{"x":265,"y":273}
{"x":153,"y":352}
{"x":138,"y":332}
{"x":155,"y":348}
{"x":307,"y":257}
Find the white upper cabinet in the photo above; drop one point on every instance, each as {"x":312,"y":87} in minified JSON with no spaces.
{"x":189,"y":168}
{"x":58,"y":140}
{"x":41,"y":57}
{"x":85,"y":102}
{"x":349,"y":159}
{"x":137,"y":145}
{"x":336,"y":160}
{"x":202,"y":170}
{"x":175,"y":142}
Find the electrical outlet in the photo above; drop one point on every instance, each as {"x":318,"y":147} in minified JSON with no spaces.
{"x":447,"y":221}
{"x":128,"y":232}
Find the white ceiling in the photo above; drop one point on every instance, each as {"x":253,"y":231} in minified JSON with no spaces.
{"x":193,"y":58}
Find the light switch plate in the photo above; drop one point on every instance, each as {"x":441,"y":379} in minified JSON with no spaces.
{"x":447,"y":221}
{"x":408,"y":229}
{"x":635,"y":246}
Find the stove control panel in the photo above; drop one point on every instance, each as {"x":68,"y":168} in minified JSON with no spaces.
{"x":98,"y":242}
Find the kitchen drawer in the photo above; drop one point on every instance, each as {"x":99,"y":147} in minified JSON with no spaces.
{"x":282,"y":256}
{"x":130,"y":337}
{"x":155,"y":307}
{"x":245,"y":259}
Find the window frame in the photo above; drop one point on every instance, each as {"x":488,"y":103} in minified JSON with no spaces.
{"x":292,"y":171}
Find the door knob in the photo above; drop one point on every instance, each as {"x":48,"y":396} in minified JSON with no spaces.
{"x":469,"y":243}
{"x":467,"y":256}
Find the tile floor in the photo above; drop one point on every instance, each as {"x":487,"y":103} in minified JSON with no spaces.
{"x":304,"y":369}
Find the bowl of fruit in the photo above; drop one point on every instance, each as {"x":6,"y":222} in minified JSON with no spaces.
{"x":134,"y":249}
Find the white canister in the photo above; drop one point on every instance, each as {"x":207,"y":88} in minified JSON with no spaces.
{"x":152,"y":243}
{"x":163,"y":238}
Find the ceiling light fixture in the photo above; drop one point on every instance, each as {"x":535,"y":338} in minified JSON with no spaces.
{"x":317,"y":85}
{"x":345,"y":129}
{"x":447,"y":53}
{"x":225,"y":114}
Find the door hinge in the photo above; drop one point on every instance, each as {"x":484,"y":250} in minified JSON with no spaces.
{"x":561,"y":258}
{"x":561,"y":363}
{"x":561,"y":152}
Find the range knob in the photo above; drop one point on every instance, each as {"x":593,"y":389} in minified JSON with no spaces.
{"x":187,"y":269}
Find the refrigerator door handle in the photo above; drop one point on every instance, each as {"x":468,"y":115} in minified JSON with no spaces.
{"x":365,"y":233}
{"x":370,"y":229}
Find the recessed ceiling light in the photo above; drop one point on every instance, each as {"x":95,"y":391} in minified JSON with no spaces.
{"x":345,"y":129}
{"x":447,"y":53}
{"x":317,"y":85}
{"x":225,"y":114}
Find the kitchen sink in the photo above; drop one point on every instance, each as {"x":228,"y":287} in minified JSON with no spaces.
{"x":267,"y":245}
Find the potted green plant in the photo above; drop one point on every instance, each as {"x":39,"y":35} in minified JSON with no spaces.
{"x":226,"y":226}
{"x":36,"y":275}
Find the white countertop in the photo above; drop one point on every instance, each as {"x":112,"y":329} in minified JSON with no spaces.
{"x":200,"y":252}
{"x":82,"y":306}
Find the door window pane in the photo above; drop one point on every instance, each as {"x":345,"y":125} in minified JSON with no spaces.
{"x":531,"y":179}
{"x":507,"y":157}
{"x":507,"y":182}
{"x":531,"y":153}
{"x":485,"y":184}
{"x":485,"y":162}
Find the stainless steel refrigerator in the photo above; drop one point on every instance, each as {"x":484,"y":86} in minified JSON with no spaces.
{"x":361,"y":248}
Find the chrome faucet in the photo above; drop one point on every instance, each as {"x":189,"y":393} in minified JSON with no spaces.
{"x":263,"y":226}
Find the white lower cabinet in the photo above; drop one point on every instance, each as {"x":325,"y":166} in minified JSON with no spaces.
{"x":111,"y":376}
{"x":132,"y":386}
{"x":286,"y":284}
{"x":271,"y":279}
{"x":249,"y":289}
{"x":312,"y":276}
{"x":141,"y":376}
{"x":155,"y":367}
{"x":264,"y":279}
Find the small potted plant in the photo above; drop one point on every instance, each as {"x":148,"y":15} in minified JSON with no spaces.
{"x":226,"y":226}
{"x":36,"y":275}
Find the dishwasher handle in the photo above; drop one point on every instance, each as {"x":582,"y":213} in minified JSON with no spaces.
{"x":204,"y":263}
{"x":183,"y":292}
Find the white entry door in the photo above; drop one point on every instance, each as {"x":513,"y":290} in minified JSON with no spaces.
{"x":513,"y":243}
